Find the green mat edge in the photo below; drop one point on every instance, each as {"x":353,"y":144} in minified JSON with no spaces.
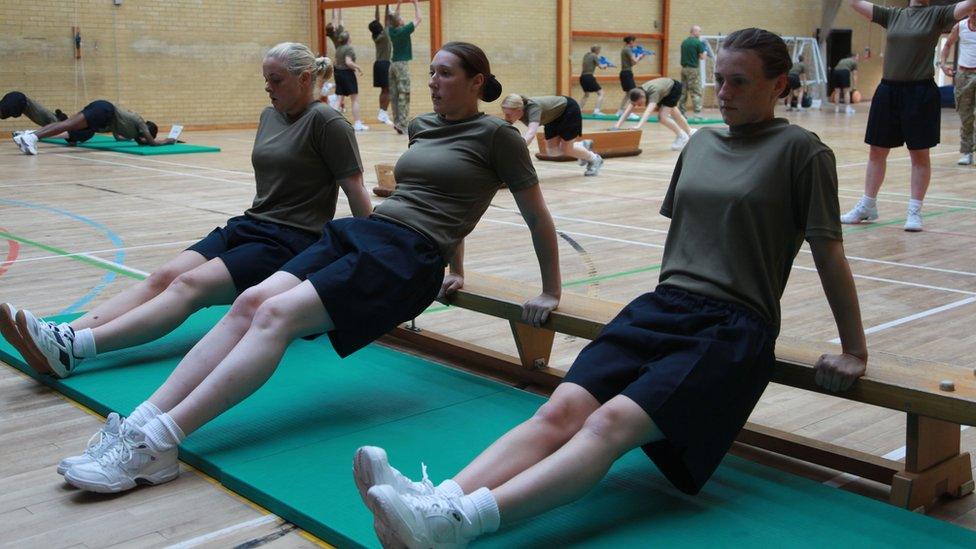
{"x":635,"y":118}
{"x":96,"y":144}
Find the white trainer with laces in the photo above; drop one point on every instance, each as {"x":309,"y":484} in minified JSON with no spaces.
{"x":588,"y":145}
{"x":680,"y":142}
{"x":27,"y":142}
{"x":860,"y":212}
{"x":433,"y":521}
{"x":360,"y":127}
{"x":371,"y":467}
{"x":49,"y":346}
{"x":97,"y":444}
{"x":966,"y":160}
{"x":593,"y":168}
{"x":913,"y":220}
{"x":131,"y":460}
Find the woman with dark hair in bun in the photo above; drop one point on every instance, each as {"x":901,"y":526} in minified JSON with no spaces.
{"x":679,"y":370}
{"x":364,"y":275}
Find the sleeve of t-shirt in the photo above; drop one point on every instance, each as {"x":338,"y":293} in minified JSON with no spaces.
{"x":701,"y":47}
{"x":408,"y":28}
{"x":533,"y":112}
{"x":881,"y":16}
{"x":338,"y":148}
{"x":947,"y":17}
{"x":510,"y":159}
{"x":667,"y":207}
{"x":815,"y":201}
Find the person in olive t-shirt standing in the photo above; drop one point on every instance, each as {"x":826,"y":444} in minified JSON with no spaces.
{"x":347,"y":85}
{"x":627,"y":61}
{"x":906,"y":108}
{"x":678,"y":371}
{"x":399,"y":70}
{"x":381,"y":66}
{"x":588,"y":81}
{"x":304,"y":151}
{"x":692,"y":53}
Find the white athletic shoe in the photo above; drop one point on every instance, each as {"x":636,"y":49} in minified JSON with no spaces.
{"x":360,"y":127}
{"x":333,"y":101}
{"x":433,"y":521}
{"x":21,"y":132}
{"x":129,"y":461}
{"x":913,"y":220}
{"x":370,"y":467}
{"x":384,"y":117}
{"x":593,"y":168}
{"x":680,"y":142}
{"x":588,"y":145}
{"x":97,"y":444}
{"x":597,"y":112}
{"x":8,"y":325}
{"x":27,"y":142}
{"x":49,"y":346}
{"x":966,"y":160}
{"x":860,"y":212}
{"x":850,"y":110}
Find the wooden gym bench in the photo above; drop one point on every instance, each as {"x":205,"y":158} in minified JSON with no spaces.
{"x":607,"y":143}
{"x":934,"y":465}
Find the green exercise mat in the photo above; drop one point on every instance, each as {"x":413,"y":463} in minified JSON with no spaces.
{"x":108,"y":143}
{"x":289,"y":448}
{"x":635,"y":118}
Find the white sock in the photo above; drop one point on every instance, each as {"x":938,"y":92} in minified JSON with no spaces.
{"x":163,"y":433}
{"x":84,"y":346}
{"x":869,"y":202}
{"x":450,"y":488}
{"x":143,"y":414}
{"x":481,"y":509}
{"x":914,"y":204}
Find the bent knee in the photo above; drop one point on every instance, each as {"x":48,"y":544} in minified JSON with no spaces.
{"x":161,"y":279}
{"x":272,"y":315}
{"x":612,"y":426}
{"x":559,"y":418}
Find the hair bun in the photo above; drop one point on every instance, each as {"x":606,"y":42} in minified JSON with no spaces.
{"x":492,"y":89}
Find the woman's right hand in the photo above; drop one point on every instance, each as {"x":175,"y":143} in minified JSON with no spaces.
{"x":452,"y":283}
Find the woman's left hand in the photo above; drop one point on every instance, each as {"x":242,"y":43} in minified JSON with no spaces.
{"x":839,"y":372}
{"x":536,"y":310}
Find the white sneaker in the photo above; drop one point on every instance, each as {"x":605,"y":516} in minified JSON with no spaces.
{"x":360,"y":127}
{"x":327,"y":89}
{"x":384,"y":117}
{"x":8,"y":326}
{"x":333,"y":100}
{"x":370,"y":467}
{"x":420,"y":521}
{"x":21,"y":132}
{"x":49,"y":347}
{"x":913,"y":220}
{"x":593,"y":168}
{"x":588,"y":145}
{"x":27,"y":142}
{"x":97,"y":444}
{"x":680,"y":142}
{"x":129,"y":461}
{"x":850,"y":110}
{"x":597,"y":112}
{"x":836,"y":108}
{"x":966,"y":160}
{"x":860,"y":212}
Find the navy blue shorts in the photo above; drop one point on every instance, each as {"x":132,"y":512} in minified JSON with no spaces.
{"x":588,"y":83}
{"x":346,"y":82}
{"x":672,"y":98}
{"x":696,"y":365}
{"x":569,"y":125}
{"x":13,"y":104}
{"x":381,"y":73}
{"x":627,"y":80}
{"x":251,"y":249}
{"x":905,"y":113}
{"x":99,"y":115}
{"x":371,"y":275}
{"x":841,"y":78}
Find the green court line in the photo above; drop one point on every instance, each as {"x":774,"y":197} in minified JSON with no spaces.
{"x":869,"y":226}
{"x":107,"y":265}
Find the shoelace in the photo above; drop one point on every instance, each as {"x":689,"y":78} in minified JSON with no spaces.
{"x":95,"y":446}
{"x":428,"y":504}
{"x":425,"y":480}
{"x":118,"y":453}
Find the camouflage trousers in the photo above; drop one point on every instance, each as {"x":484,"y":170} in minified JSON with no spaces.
{"x":400,"y":93}
{"x":965,"y":83}
{"x":690,"y":85}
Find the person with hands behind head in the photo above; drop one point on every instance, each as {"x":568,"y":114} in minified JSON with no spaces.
{"x":679,"y":370}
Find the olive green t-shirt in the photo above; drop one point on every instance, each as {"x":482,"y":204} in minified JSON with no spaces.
{"x":543,"y":109}
{"x":127,"y":124}
{"x":741,"y":202}
{"x":335,"y":36}
{"x":626,"y":59}
{"x":912,"y":36}
{"x":691,"y":50}
{"x":657,"y":89}
{"x":847,"y":64}
{"x":798,"y":68}
{"x":384,"y":48}
{"x":296,"y":165}
{"x":341,"y":53}
{"x":400,"y":38}
{"x":38,"y":113}
{"x":590,"y":61}
{"x":451,"y":171}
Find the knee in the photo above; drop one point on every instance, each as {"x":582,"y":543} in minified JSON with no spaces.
{"x":190,"y":285}
{"x":272,"y":316}
{"x":878,"y":154}
{"x":609,"y":425}
{"x":558,"y":420}
{"x":247,"y":303}
{"x":160,"y":279}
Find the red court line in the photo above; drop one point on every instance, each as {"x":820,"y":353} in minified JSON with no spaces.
{"x":13,"y":250}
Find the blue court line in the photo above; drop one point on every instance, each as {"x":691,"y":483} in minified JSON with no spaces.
{"x":112,"y":236}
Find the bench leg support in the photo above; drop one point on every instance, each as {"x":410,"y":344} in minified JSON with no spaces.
{"x":933,"y":465}
{"x":534,"y":345}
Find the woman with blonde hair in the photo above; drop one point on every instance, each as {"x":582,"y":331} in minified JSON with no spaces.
{"x":562,"y":121}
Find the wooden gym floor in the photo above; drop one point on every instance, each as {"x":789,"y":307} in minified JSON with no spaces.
{"x":89,"y":224}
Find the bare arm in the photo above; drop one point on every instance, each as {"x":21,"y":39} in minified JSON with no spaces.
{"x":352,"y":65}
{"x":417,"y":16}
{"x":146,"y":138}
{"x":963,"y":8}
{"x":647,"y":114}
{"x":838,"y":372}
{"x":623,"y":116}
{"x":454,"y":279}
{"x":944,"y":54}
{"x":530,"y":132}
{"x":864,"y":8}
{"x":355,"y":191}
{"x":536,"y":215}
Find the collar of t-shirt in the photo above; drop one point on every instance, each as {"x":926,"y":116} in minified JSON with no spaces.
{"x":744,"y":130}
{"x":441,"y":118}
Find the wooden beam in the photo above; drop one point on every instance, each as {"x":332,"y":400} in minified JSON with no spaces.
{"x":665,"y":34}
{"x":436,"y":24}
{"x":563,"y":22}
{"x":613,"y":34}
{"x":320,"y":27}
{"x":336,"y":4}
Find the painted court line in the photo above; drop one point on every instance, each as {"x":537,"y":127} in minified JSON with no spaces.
{"x":127,"y":248}
{"x":172,"y":172}
{"x":902,"y":201}
{"x":899,"y":282}
{"x":215,"y":535}
{"x":31,"y":184}
{"x":890,"y":160}
{"x":916,"y":316}
{"x":170,"y":163}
